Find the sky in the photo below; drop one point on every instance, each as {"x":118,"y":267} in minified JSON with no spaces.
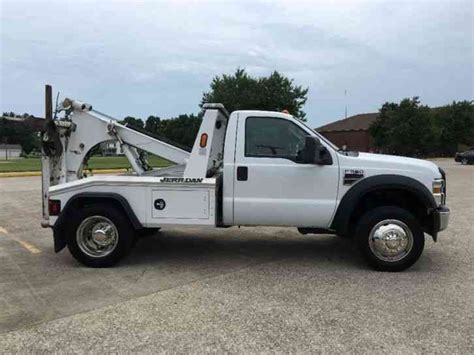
{"x":144,"y":58}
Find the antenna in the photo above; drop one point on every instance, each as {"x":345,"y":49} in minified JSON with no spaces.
{"x":56,"y":107}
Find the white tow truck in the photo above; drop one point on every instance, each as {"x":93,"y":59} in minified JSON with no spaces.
{"x":249,"y":168}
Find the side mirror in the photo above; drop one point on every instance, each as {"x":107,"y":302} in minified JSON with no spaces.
{"x":315,"y":153}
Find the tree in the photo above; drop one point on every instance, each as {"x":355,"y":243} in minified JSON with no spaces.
{"x":406,"y":128}
{"x":455,"y":124}
{"x":409,"y":128}
{"x":30,"y":141}
{"x":23,"y":133}
{"x":240,"y":91}
{"x":182,"y":129}
{"x":133,"y":122}
{"x":152,"y":124}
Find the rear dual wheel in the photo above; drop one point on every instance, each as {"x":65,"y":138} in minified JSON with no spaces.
{"x":99,"y":235}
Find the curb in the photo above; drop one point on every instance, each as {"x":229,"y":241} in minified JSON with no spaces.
{"x":38,"y":173}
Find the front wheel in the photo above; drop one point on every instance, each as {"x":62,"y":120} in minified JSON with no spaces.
{"x":99,"y":235}
{"x":390,"y":238}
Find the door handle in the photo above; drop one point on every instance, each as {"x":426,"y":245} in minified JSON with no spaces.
{"x":242,"y":173}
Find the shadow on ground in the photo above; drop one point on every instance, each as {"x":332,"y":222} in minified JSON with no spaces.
{"x":190,"y":247}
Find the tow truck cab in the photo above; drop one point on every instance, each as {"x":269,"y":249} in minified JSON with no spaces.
{"x":277,"y":171}
{"x":249,"y":168}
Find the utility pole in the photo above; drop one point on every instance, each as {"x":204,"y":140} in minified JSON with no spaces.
{"x":345,"y":102}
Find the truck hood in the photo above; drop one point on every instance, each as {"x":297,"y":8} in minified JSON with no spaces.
{"x":398,"y":164}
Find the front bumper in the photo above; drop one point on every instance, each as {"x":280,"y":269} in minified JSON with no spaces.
{"x":441,"y":218}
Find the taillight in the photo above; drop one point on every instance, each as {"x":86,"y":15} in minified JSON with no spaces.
{"x":54,"y":207}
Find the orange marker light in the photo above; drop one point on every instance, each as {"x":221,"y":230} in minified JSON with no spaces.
{"x":285,"y":111}
{"x":203,"y":141}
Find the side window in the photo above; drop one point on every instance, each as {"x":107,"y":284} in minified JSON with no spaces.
{"x":273,"y":138}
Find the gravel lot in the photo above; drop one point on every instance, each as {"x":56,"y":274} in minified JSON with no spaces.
{"x":234,"y":290}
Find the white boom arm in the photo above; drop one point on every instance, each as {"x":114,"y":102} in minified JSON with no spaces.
{"x":86,"y":128}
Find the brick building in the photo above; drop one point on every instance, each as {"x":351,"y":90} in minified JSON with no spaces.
{"x":352,"y":132}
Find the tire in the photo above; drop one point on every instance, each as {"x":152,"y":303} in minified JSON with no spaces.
{"x":390,"y":222}
{"x":113,"y":240}
{"x":464,"y":161}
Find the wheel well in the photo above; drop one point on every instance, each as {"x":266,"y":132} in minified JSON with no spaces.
{"x":87,"y":199}
{"x":391,"y":197}
{"x":115,"y":200}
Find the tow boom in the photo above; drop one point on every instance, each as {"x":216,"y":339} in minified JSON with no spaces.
{"x":67,"y":142}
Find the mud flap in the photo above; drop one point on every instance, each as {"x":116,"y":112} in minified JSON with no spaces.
{"x":59,"y":240}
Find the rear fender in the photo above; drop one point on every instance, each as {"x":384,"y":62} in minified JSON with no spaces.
{"x":85,"y":198}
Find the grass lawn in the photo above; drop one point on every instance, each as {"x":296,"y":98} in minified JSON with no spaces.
{"x":34,"y":164}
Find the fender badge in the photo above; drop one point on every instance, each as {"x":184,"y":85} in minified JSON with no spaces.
{"x":352,"y":175}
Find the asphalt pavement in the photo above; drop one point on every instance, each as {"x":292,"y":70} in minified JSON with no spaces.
{"x":234,"y":290}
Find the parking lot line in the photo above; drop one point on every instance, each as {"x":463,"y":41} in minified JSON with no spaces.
{"x":28,"y":246}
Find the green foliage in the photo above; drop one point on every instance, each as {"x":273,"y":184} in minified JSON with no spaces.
{"x":240,"y":91}
{"x":404,"y":128}
{"x":409,"y":128}
{"x":133,"y":122}
{"x":152,"y":124}
{"x":181,"y":130}
{"x":14,"y":132}
{"x":455,"y":124}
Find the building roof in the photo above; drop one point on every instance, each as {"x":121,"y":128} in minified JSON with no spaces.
{"x":359,"y":122}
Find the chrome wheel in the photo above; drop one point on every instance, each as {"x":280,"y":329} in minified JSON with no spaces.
{"x":390,"y":240}
{"x":464,"y":161}
{"x":97,"y":236}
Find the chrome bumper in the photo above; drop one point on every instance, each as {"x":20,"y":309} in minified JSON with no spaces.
{"x":441,"y":215}
{"x":443,"y":220}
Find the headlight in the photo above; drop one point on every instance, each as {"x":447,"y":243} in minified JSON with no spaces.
{"x":437,"y":186}
{"x":438,"y":191}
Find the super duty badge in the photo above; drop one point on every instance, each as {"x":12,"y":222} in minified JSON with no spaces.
{"x":352,"y":175}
